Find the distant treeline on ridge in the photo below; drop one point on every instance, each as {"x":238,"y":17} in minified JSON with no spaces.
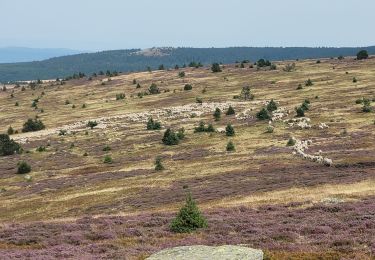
{"x":138,"y":60}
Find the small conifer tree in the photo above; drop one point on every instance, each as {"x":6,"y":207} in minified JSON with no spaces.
{"x":170,"y":137}
{"x":230,"y":111}
{"x":230,"y":147}
{"x":217,"y":114}
{"x":229,"y":130}
{"x":189,"y":218}
{"x":158,"y":165}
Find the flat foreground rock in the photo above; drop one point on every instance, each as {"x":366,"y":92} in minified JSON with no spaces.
{"x":208,"y":253}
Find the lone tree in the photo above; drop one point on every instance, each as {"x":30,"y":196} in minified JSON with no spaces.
{"x":362,"y":55}
{"x":217,"y":114}
{"x":229,"y":130}
{"x":32,"y":125}
{"x":8,"y":146}
{"x":215,"y":67}
{"x":170,"y":137}
{"x":189,"y":218}
{"x":158,"y":165}
{"x":263,"y":114}
{"x":188,"y":87}
{"x":230,"y":111}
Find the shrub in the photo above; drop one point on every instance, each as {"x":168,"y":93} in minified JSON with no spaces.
{"x":170,"y":137}
{"x":318,"y":61}
{"x":8,"y":146}
{"x":32,"y":125}
{"x":299,"y":86}
{"x":269,"y":129}
{"x":289,"y":67}
{"x":153,"y":125}
{"x":366,"y":109}
{"x":217,"y":114}
{"x":354,"y":80}
{"x":246,"y":93}
{"x":188,"y":87}
{"x":230,"y":111}
{"x":300,"y":112}
{"x":263,"y":63}
{"x":10,"y":130}
{"x":215,"y":67}
{"x":189,"y":218}
{"x":273,"y":67}
{"x":181,"y":74}
{"x":230,"y":147}
{"x":200,"y":128}
{"x":229,"y":130}
{"x":134,"y":81}
{"x":291,"y":142}
{"x":84,"y":105}
{"x":92,"y":124}
{"x":366,"y":106}
{"x":16,"y":104}
{"x":153,"y":89}
{"x":106,"y":148}
{"x":361,"y":55}
{"x":138,"y":85}
{"x":41,"y":149}
{"x":305,"y":105}
{"x":263,"y":114}
{"x":23,"y":167}
{"x":198,"y":100}
{"x":161,"y":67}
{"x":309,"y":83}
{"x":62,"y":132}
{"x":272,"y":106}
{"x":210,"y":128}
{"x":107,"y":159}
{"x":158,"y":165}
{"x":120,"y":96}
{"x":181,"y":133}
{"x":67,"y":102}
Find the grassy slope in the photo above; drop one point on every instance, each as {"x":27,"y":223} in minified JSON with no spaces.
{"x":66,"y":186}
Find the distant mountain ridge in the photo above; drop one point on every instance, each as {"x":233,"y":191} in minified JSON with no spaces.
{"x":23,"y":54}
{"x":138,"y":60}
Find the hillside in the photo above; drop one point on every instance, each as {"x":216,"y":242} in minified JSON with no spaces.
{"x":22,"y":54}
{"x":314,"y":199}
{"x":139,"y":60}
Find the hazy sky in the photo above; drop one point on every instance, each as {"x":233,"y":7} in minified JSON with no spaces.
{"x":119,"y":24}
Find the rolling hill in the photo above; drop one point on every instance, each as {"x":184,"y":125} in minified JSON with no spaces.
{"x":297,"y":187}
{"x":138,"y":60}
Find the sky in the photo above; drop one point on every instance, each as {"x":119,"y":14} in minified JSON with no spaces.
{"x":94,"y":25}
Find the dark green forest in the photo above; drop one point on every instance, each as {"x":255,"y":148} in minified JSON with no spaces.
{"x":129,"y":60}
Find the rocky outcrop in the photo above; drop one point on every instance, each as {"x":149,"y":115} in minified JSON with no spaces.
{"x":208,"y":252}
